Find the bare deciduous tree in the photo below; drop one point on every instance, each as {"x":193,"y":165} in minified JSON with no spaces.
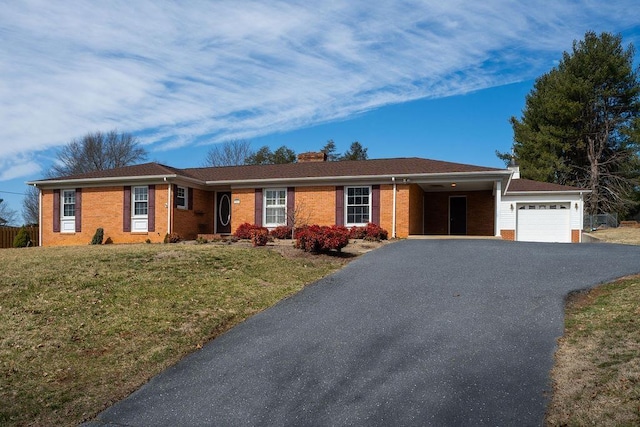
{"x":97,"y":151}
{"x":229,"y":153}
{"x":7,"y":215}
{"x":298,"y":217}
{"x":30,"y":206}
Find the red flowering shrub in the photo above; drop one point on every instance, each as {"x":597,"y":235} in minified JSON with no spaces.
{"x":375,"y":233}
{"x":171,"y":238}
{"x":244,"y":230}
{"x":281,"y":232}
{"x":356,"y":232}
{"x":259,"y":236}
{"x":315,"y":238}
{"x":371,"y":232}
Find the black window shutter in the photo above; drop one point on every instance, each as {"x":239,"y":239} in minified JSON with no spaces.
{"x":190,"y":198}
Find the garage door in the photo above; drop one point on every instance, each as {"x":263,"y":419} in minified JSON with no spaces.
{"x":543,"y":222}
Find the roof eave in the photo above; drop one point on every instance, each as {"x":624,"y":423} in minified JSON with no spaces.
{"x":114,"y":179}
{"x":524,"y":193}
{"x":360,"y":178}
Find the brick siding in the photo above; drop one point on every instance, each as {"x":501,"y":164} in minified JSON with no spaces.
{"x":102,"y":208}
{"x":508,"y":234}
{"x":575,"y":236}
{"x":480,"y":212}
{"x":188,"y":223}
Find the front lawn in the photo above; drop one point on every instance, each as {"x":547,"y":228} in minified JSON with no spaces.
{"x":83,"y":327}
{"x":597,"y":371}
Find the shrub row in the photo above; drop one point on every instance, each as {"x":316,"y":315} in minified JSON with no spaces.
{"x":371,"y":232}
{"x":245,"y":230}
{"x":315,"y":238}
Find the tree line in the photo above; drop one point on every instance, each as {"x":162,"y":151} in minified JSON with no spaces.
{"x":98,"y":151}
{"x":581,"y":125}
{"x":239,"y":152}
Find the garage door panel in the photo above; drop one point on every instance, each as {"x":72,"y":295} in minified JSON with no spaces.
{"x":543,"y":224}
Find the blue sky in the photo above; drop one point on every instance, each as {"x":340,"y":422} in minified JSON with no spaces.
{"x":412,"y":78}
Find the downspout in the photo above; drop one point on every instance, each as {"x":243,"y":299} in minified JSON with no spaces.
{"x":168,"y":206}
{"x":393,"y":213}
{"x":581,"y":217}
{"x":40,"y":225}
{"x":498,"y":199}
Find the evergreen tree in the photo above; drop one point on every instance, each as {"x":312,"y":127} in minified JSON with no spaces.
{"x":581,"y":121}
{"x":330,"y":150}
{"x":355,"y":152}
{"x":264,"y":156}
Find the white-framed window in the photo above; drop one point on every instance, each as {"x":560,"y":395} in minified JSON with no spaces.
{"x":68,"y":211}
{"x":275,"y":207}
{"x":139,"y":209}
{"x":358,"y":205}
{"x":68,"y":203}
{"x":182,"y":197}
{"x":140,"y":201}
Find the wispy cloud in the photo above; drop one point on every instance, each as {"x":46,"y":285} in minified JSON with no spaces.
{"x":186,"y":73}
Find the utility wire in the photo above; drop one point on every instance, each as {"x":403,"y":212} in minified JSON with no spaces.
{"x":11,"y":192}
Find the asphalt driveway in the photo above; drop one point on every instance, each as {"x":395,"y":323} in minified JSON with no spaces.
{"x":420,"y":332}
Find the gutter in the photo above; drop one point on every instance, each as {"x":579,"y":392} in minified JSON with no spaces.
{"x":525,"y":193}
{"x":431,"y":177}
{"x":57,"y":182}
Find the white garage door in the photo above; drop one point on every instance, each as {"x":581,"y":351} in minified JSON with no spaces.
{"x":543,"y":222}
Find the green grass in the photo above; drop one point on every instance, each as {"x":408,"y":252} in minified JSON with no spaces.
{"x":597,"y":371}
{"x":82,"y":327}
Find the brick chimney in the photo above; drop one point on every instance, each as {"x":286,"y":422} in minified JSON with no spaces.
{"x":312,"y":156}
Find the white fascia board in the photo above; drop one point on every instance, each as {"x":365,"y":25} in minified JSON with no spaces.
{"x":100,"y":182}
{"x":411,"y":178}
{"x":550,"y":193}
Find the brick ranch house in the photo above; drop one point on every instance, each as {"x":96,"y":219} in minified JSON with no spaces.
{"x":406,"y":196}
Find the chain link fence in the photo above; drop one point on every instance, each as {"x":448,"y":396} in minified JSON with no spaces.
{"x":593,"y":222}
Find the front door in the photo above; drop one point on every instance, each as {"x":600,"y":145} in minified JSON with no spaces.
{"x":458,"y":215}
{"x":223,"y":213}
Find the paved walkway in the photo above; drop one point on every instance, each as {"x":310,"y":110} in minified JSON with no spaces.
{"x":420,"y":332}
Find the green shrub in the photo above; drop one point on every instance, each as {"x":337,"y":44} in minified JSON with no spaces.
{"x":97,"y":238}
{"x":201,"y":240}
{"x":22,"y":239}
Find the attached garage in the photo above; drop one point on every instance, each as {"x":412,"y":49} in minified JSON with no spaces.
{"x":543,"y":222}
{"x":532,"y":211}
